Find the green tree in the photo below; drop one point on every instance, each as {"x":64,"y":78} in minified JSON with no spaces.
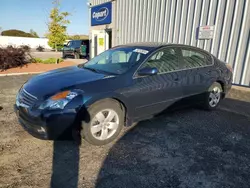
{"x":16,"y":33}
{"x":74,"y":37}
{"x":34,"y":34}
{"x":57,"y":26}
{"x":78,"y":37}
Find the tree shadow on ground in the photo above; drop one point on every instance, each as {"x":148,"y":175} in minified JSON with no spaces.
{"x":184,"y":148}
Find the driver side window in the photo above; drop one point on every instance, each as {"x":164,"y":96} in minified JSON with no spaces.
{"x":165,"y":60}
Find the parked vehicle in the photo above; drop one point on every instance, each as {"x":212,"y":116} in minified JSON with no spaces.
{"x":122,"y":85}
{"x":76,"y":49}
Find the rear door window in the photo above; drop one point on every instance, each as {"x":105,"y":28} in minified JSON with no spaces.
{"x":195,"y":59}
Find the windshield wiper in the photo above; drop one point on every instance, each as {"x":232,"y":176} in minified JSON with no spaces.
{"x":93,"y":70}
{"x":100,"y":71}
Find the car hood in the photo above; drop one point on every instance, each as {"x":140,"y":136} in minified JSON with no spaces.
{"x":51,"y":82}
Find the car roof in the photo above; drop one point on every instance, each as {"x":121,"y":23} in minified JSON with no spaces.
{"x":79,"y":40}
{"x":145,"y":45}
{"x":155,"y":45}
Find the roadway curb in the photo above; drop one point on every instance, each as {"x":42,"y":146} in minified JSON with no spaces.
{"x":19,"y":74}
{"x":239,"y":93}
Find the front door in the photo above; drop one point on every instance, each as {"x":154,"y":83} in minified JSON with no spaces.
{"x":153,"y":94}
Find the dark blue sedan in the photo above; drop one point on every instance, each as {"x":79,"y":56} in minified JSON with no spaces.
{"x":122,"y":85}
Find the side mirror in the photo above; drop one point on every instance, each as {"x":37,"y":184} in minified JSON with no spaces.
{"x":65,"y":45}
{"x":147,"y":71}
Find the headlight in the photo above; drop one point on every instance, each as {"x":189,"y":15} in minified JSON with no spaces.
{"x":58,"y":101}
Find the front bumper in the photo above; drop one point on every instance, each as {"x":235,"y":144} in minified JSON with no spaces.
{"x":48,"y":125}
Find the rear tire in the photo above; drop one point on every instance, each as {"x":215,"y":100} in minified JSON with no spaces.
{"x":213,"y":96}
{"x":76,"y":55}
{"x":106,"y":120}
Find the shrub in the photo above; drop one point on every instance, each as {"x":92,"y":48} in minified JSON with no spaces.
{"x":37,"y":60}
{"x":40,"y":48}
{"x":47,"y":61}
{"x":58,"y":49}
{"x":11,"y":57}
{"x":25,"y":47}
{"x":52,"y":60}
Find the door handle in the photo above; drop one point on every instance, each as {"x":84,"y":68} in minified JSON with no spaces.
{"x":176,"y":80}
{"x":209,"y":72}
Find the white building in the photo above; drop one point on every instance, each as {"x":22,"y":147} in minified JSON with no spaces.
{"x":221,"y":27}
{"x":18,"y":41}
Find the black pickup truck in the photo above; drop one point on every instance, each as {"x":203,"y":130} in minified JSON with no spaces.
{"x":76,"y":48}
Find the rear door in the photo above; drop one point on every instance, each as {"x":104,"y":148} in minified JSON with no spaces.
{"x":153,"y":94}
{"x":198,"y":71}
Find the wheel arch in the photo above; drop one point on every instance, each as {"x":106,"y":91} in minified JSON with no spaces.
{"x":122,"y":102}
{"x":114,"y":99}
{"x":222,"y":86}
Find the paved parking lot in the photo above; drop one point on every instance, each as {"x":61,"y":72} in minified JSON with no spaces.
{"x":185,"y":148}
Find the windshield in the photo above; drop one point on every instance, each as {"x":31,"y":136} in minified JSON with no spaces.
{"x":69,"y":43}
{"x":117,"y":60}
{"x":74,"y":43}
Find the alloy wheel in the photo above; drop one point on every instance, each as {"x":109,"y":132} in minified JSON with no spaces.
{"x":214,"y":96}
{"x":104,"y":124}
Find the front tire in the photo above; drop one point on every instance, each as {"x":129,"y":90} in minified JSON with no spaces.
{"x":106,"y":120}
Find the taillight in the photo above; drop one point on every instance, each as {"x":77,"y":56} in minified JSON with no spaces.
{"x":230,"y":68}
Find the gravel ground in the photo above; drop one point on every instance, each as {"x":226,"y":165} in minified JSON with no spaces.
{"x":185,"y":148}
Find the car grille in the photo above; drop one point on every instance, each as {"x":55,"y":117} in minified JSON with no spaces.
{"x":26,"y":98}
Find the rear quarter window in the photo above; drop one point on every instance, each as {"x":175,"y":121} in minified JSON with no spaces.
{"x":195,"y":59}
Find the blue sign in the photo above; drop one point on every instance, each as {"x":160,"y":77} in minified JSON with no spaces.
{"x":101,"y":14}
